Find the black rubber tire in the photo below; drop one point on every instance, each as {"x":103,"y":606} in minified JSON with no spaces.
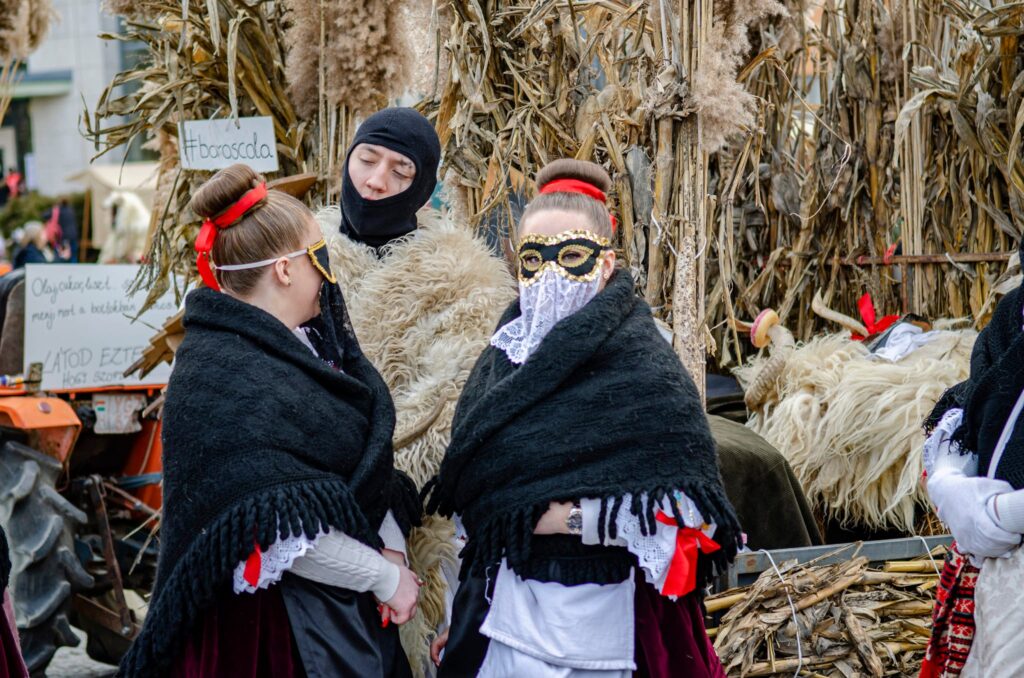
{"x":45,"y":570}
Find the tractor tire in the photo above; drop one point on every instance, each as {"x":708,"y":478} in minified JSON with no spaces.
{"x":45,"y":570}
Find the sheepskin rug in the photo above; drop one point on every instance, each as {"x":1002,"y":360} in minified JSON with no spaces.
{"x":850,"y":423}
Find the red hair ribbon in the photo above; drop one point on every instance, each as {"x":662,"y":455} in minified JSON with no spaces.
{"x":227,"y":218}
{"x":577,"y":186}
{"x":682,"y":571}
{"x":867,"y":313}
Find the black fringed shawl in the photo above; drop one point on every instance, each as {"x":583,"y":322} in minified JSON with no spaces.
{"x":602,"y":408}
{"x":259,"y":435}
{"x":989,"y":394}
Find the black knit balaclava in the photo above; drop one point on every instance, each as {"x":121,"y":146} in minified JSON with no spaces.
{"x":378,"y":222}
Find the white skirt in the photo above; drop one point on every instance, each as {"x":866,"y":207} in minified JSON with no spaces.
{"x":999,"y":619}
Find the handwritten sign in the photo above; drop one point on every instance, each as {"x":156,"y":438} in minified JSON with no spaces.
{"x":78,"y":324}
{"x":215,"y":144}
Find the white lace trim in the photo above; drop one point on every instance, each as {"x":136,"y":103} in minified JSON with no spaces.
{"x":542,"y":304}
{"x":939,"y":441}
{"x":275,"y":561}
{"x":654,"y":551}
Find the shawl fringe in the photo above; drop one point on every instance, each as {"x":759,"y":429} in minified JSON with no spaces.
{"x":511,"y":536}
{"x":199,"y":577}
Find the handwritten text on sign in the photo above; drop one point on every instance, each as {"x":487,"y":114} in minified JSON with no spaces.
{"x":215,"y":144}
{"x":78,"y":324}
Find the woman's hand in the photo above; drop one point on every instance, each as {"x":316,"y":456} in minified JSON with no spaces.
{"x":439,"y":644}
{"x":403,"y":603}
{"x":554,"y":520}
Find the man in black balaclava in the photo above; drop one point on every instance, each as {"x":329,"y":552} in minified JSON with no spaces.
{"x":423,"y":307}
{"x":389,"y":174}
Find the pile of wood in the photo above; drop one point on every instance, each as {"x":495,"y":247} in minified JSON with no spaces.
{"x":852,"y":619}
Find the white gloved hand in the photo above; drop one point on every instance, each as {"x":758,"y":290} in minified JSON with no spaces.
{"x":941,"y":452}
{"x":961,"y":503}
{"x":948,"y":457}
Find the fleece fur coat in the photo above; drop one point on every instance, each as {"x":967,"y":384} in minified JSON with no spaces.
{"x":423,"y":313}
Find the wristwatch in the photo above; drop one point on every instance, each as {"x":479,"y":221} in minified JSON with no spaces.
{"x":575,"y":519}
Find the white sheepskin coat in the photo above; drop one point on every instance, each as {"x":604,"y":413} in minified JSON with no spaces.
{"x":423,"y":313}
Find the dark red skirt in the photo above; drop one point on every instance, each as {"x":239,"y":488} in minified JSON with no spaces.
{"x":11,"y":663}
{"x":243,"y":636}
{"x":671,"y":640}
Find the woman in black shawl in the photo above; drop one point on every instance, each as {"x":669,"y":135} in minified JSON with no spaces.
{"x":974,"y":461}
{"x":581,"y":462}
{"x":283,"y":517}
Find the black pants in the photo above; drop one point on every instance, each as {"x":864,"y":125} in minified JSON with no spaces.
{"x":464,"y":654}
{"x":338,"y":632}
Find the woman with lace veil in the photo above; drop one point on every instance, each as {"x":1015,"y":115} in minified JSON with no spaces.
{"x":284,"y":518}
{"x":581,"y":470}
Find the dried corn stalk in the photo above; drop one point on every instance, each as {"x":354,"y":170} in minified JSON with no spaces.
{"x":881,"y":125}
{"x":23,"y":26}
{"x":608,"y":81}
{"x":832,"y":620}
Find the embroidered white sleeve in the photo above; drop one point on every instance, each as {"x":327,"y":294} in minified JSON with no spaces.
{"x":653,"y":551}
{"x":274,"y":562}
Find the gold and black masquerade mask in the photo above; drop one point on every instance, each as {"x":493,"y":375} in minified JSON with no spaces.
{"x":574,"y":255}
{"x":318,"y":256}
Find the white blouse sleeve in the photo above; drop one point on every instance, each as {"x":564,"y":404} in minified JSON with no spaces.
{"x":653,"y":551}
{"x":391,"y":534}
{"x":331,"y":558}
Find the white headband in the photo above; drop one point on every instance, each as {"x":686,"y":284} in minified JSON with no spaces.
{"x":258,"y":264}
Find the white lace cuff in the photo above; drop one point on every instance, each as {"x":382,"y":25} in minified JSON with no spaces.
{"x":653,"y":551}
{"x":274,"y":562}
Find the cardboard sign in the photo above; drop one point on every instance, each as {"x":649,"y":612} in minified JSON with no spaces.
{"x":216,"y":144}
{"x":78,"y":324}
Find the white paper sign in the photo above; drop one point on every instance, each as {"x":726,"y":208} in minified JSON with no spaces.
{"x":215,"y":144}
{"x":78,"y":325}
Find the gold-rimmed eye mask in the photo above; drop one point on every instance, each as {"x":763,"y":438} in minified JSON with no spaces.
{"x":317,"y":253}
{"x":574,"y":255}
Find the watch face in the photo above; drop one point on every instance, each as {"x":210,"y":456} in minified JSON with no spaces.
{"x":575,"y":521}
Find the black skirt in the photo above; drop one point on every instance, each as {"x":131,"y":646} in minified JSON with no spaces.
{"x":338,"y":632}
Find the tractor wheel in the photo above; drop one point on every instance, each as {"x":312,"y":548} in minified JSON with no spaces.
{"x":45,"y":570}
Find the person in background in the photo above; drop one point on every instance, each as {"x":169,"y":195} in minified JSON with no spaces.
{"x":57,"y":237}
{"x":974,"y":466}
{"x":423,"y":292}
{"x":33,"y":246}
{"x":68,"y":223}
{"x":14,"y":182}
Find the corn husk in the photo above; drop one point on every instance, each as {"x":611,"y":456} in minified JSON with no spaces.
{"x":834,"y":620}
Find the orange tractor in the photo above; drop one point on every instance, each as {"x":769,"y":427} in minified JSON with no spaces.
{"x":80,"y":507}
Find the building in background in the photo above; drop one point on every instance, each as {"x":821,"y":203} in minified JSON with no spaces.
{"x":41,"y":134}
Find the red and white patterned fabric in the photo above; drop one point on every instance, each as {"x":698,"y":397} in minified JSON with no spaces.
{"x":952,"y":619}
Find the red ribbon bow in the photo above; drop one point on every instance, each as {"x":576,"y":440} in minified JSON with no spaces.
{"x":577,"y":186}
{"x":208,"y":233}
{"x":867,"y":313}
{"x":682,"y":571}
{"x":253,"y":566}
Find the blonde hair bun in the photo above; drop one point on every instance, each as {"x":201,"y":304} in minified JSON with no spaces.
{"x":223,"y":190}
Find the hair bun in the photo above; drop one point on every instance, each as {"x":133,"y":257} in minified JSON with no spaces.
{"x":581,"y":170}
{"x":223,"y":190}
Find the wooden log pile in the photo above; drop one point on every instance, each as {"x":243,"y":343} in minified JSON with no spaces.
{"x":838,"y":620}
